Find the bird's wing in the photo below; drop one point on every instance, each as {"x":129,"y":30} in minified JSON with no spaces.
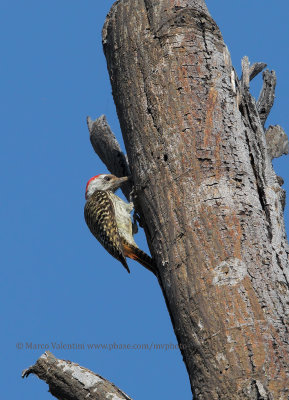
{"x":99,"y":215}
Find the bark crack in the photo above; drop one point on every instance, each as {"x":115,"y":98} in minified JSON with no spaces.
{"x":260,"y":189}
{"x":203,"y":31}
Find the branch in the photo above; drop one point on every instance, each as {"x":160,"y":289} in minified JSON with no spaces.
{"x":267,"y":95}
{"x":248,"y":103}
{"x":68,"y":380}
{"x":255,"y":69}
{"x":245,"y":79}
{"x":248,"y":73}
{"x":109,"y":151}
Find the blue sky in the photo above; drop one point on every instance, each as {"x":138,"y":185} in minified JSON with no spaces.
{"x":58,"y":284}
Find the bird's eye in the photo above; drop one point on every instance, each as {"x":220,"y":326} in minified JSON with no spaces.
{"x":107,"y":178}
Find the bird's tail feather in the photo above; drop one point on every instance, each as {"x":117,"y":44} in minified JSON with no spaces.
{"x":124,"y":263}
{"x":138,"y":255}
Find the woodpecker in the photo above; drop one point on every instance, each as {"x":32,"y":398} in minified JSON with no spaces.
{"x":108,"y":218}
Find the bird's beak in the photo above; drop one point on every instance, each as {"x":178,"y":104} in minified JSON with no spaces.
{"x":119,"y":181}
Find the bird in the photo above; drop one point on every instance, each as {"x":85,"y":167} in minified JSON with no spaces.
{"x":108,"y":218}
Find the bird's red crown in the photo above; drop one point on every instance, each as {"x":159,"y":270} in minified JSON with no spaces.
{"x":91,"y":179}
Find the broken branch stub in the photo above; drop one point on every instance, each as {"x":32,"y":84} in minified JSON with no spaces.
{"x":267,"y":95}
{"x":245,"y":79}
{"x":108,"y":149}
{"x":277,"y":141}
{"x":68,"y":380}
{"x":255,"y":69}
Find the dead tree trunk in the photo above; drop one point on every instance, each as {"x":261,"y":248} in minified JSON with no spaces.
{"x":208,"y":197}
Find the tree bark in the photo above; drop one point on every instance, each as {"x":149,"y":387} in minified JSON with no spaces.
{"x":207,"y":195}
